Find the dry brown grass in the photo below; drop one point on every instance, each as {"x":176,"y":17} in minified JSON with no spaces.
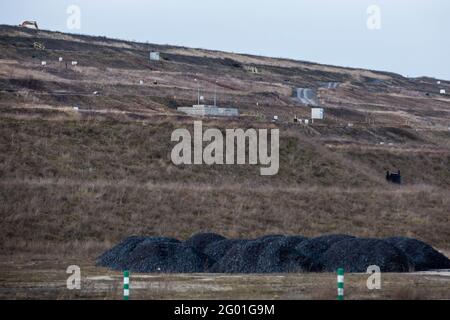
{"x":92,"y":181}
{"x":37,"y":277}
{"x":102,"y":213}
{"x":73,"y":184}
{"x":407,"y":293}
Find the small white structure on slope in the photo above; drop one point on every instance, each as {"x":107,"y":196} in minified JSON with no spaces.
{"x":251,"y":69}
{"x":442,"y":91}
{"x":154,"y":56}
{"x":317,"y":113}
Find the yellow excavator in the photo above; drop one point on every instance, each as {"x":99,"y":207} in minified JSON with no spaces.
{"x":33,"y":25}
{"x":29,"y":25}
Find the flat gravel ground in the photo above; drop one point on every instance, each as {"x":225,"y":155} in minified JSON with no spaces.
{"x":44,"y":278}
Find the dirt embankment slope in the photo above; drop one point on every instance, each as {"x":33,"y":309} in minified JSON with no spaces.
{"x":96,"y":176}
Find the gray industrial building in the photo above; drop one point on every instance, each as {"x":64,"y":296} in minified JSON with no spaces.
{"x":209,"y":111}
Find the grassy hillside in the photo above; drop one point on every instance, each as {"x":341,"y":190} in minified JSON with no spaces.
{"x":86,"y":179}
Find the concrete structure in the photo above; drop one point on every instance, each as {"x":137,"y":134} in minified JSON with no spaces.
{"x":251,"y":69}
{"x":317,"y":113}
{"x":154,"y":56}
{"x":442,"y":91}
{"x":43,"y":63}
{"x":209,"y":111}
{"x":74,"y":63}
{"x":329,"y":85}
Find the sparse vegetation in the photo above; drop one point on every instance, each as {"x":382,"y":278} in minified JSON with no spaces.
{"x":72,"y":183}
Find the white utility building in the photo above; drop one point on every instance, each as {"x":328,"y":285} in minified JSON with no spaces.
{"x":317,"y":113}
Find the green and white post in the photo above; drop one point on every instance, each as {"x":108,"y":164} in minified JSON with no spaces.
{"x":126,"y":285}
{"x":340,"y":283}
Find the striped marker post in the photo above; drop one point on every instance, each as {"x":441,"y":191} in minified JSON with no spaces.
{"x":340,"y":283}
{"x":126,"y":285}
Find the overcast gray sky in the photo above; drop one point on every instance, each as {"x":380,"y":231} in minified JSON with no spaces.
{"x":413,"y":39}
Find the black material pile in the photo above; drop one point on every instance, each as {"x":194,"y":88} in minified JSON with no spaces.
{"x":118,"y":257}
{"x":355,"y":255}
{"x":209,"y":252}
{"x":200,"y":240}
{"x":314,"y":248}
{"x":167,"y":257}
{"x":420,"y":255}
{"x":268,"y":254}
